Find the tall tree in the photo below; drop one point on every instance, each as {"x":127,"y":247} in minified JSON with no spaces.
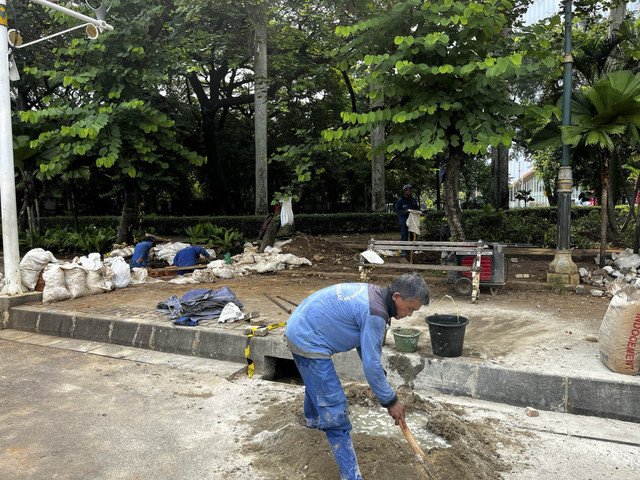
{"x":258,"y":15}
{"x":443,"y":82}
{"x":105,"y":109}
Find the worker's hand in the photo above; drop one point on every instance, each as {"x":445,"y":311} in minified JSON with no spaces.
{"x":397,"y":412}
{"x":139,"y":260}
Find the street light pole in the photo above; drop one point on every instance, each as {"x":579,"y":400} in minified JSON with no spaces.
{"x":562,"y":269}
{"x":10,"y":245}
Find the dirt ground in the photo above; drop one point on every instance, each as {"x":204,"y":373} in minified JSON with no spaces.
{"x":290,"y":450}
{"x":529,"y":326}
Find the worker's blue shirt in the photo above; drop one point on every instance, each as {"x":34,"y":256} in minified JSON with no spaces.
{"x":402,"y":208}
{"x":188,"y":257}
{"x":141,"y":252}
{"x":340,"y":318}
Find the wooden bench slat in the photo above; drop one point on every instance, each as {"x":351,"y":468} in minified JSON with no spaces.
{"x":420,"y":266}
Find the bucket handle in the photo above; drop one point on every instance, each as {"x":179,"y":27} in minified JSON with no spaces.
{"x":454,"y":304}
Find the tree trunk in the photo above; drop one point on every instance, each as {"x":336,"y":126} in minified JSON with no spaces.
{"x":616,"y":16}
{"x":216,"y":177}
{"x":611,"y":195}
{"x":129,"y":213}
{"x":269,"y":238}
{"x":499,"y":194}
{"x":260,"y":92}
{"x":603,"y":212}
{"x":377,"y":160}
{"x":450,"y":189}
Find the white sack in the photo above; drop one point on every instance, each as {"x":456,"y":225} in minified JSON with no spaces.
{"x":96,"y":284}
{"x":230,"y":313}
{"x":183,"y":280}
{"x":92,"y":262}
{"x":54,"y":286}
{"x":75,"y":279}
{"x":122,"y":252}
{"x":168,"y":251}
{"x":372,"y":257}
{"x":33,"y":262}
{"x":121,"y":272}
{"x":223,"y":272}
{"x":413,"y":221}
{"x":627,"y":259}
{"x":139,"y":275}
{"x":619,"y":332}
{"x":286,"y":214}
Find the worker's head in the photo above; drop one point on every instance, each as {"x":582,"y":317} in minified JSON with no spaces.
{"x":150,"y":238}
{"x":409,"y":292}
{"x":407,"y":190}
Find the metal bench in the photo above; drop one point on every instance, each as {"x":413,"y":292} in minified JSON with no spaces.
{"x":477,"y":248}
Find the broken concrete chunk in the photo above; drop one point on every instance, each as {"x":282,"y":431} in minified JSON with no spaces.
{"x":581,"y":289}
{"x":532,"y":412}
{"x":583,"y":272}
{"x":514,"y":260}
{"x":260,"y":322}
{"x":591,"y":338}
{"x":597,"y":293}
{"x":260,"y":332}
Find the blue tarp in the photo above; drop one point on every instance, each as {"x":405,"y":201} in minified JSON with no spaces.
{"x":198,"y":304}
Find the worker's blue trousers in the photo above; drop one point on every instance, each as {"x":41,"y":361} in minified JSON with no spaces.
{"x":325,"y":408}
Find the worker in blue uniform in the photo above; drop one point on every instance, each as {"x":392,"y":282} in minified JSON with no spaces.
{"x":338,"y":319}
{"x":141,"y":251}
{"x":189,"y":257}
{"x":405,"y":203}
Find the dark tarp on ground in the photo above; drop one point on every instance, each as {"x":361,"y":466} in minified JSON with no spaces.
{"x":198,"y":304}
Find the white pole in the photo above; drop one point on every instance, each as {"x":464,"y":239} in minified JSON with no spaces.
{"x":10,"y":246}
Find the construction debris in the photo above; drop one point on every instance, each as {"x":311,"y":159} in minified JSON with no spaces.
{"x":622,"y":269}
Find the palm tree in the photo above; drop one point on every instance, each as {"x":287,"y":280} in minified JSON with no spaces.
{"x":605,"y":111}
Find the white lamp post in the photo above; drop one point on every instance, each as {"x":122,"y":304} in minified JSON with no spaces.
{"x":10,"y":245}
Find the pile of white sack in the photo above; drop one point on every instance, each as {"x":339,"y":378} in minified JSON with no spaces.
{"x":90,"y":275}
{"x":622,"y":268}
{"x":81,"y":277}
{"x":248,"y":262}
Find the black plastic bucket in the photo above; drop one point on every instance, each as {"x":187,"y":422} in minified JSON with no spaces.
{"x":447,"y":334}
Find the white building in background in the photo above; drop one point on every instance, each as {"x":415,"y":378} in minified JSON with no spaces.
{"x":535,"y":185}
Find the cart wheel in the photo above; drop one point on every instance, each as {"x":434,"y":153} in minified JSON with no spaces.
{"x":463,"y":286}
{"x":493,"y":291}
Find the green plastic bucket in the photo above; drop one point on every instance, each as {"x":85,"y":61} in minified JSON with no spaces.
{"x":406,"y":339}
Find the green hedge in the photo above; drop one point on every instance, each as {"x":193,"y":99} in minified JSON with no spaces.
{"x":248,"y":225}
{"x":535,"y":226}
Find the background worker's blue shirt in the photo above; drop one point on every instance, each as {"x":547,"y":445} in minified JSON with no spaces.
{"x":141,"y":252}
{"x":188,"y":257}
{"x":343,"y":317}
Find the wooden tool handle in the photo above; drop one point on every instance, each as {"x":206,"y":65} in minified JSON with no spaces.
{"x":418,"y":451}
{"x":412,"y":442}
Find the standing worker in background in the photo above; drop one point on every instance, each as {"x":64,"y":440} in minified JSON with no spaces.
{"x":405,"y":203}
{"x":338,"y":319}
{"x":189,"y":257}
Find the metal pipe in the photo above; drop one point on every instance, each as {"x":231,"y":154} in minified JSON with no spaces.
{"x":10,"y":245}
{"x":51,"y":36}
{"x":101,"y":24}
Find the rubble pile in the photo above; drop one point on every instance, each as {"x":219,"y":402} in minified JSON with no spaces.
{"x":248,"y":262}
{"x":622,"y":269}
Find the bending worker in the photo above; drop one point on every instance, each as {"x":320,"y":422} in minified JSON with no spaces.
{"x":337,"y":319}
{"x":189,"y":257}
{"x":140,"y":257}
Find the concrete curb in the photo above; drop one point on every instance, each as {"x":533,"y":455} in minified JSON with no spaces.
{"x":461,"y":376}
